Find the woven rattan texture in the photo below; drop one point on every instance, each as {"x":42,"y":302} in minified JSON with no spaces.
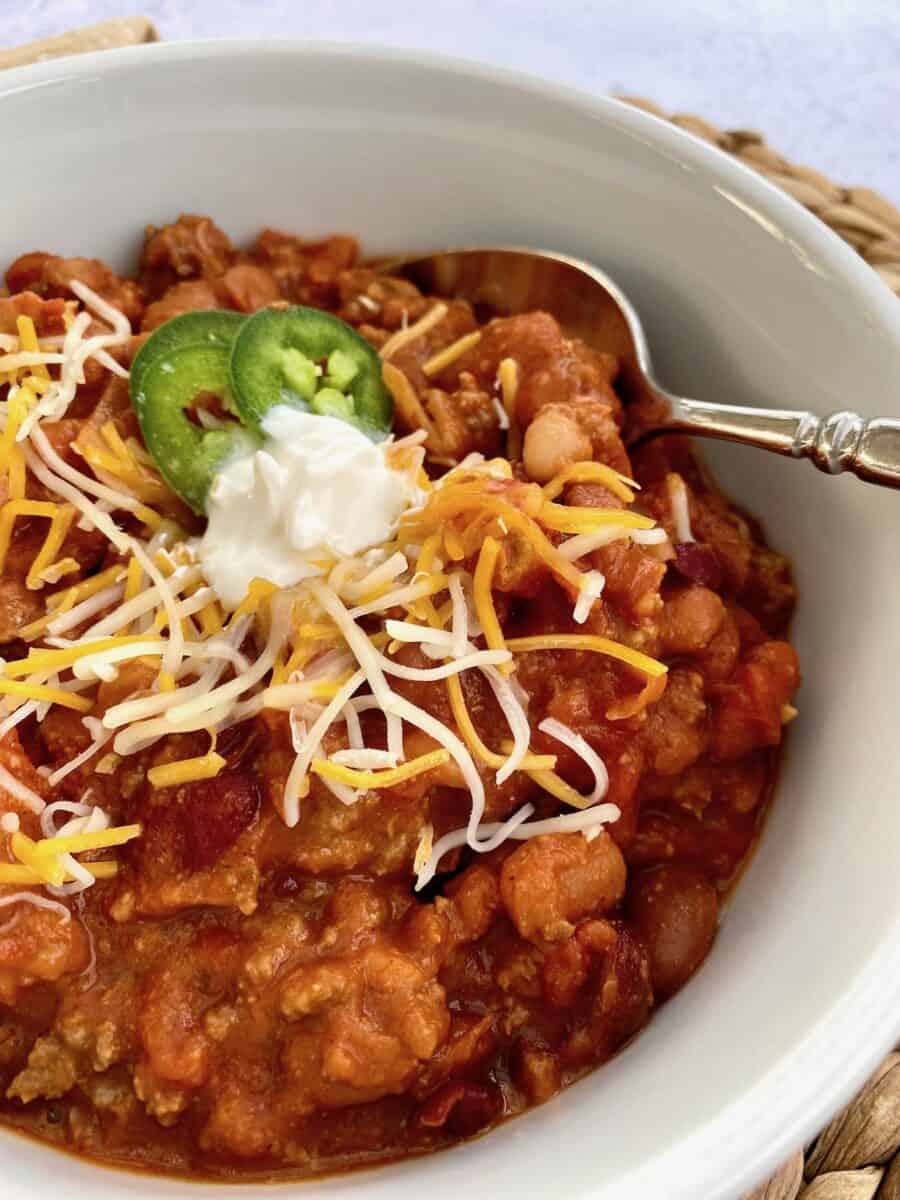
{"x":863,"y":218}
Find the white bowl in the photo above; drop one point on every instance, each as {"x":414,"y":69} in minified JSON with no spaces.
{"x":745,"y":298}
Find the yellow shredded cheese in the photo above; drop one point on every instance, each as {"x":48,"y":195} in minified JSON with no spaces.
{"x":28,"y":342}
{"x":456,"y":551}
{"x":447,"y":356}
{"x":567,"y":519}
{"x":52,"y":695}
{"x":559,"y":789}
{"x":508,"y":378}
{"x":586,"y":641}
{"x":590,"y":472}
{"x":60,"y":524}
{"x":187,"y":770}
{"x":404,"y":336}
{"x":20,"y":508}
{"x":63,"y":601}
{"x":132,"y":580}
{"x":453,"y":501}
{"x":531,"y":762}
{"x":77,"y":843}
{"x":211,"y":619}
{"x":16,"y":472}
{"x":48,"y":868}
{"x":258,"y":591}
{"x":18,"y":873}
{"x":370,"y":780}
{"x":56,"y":570}
{"x":16,"y":409}
{"x":56,"y":660}
{"x":406,"y":400}
{"x":484,"y":599}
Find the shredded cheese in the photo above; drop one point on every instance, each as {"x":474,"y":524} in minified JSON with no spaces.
{"x":531,"y":762}
{"x":568,"y":519}
{"x":297,"y":784}
{"x":327,"y":646}
{"x":588,"y":755}
{"x":518,"y":828}
{"x":404,"y":336}
{"x":51,"y":695}
{"x":484,"y":599}
{"x":187,"y":770}
{"x":424,"y":848}
{"x":20,"y":508}
{"x":596,"y":645}
{"x":446,"y":357}
{"x":14,"y":787}
{"x":591,"y":588}
{"x":591,"y":472}
{"x":450,"y":502}
{"x":55,"y":660}
{"x":681,"y":515}
{"x":17,"y":873}
{"x":370,"y":780}
{"x":104,"y":839}
{"x":508,"y":378}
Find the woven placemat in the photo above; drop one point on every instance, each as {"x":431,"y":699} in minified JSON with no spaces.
{"x":864,"y":218}
{"x":858,"y":1156}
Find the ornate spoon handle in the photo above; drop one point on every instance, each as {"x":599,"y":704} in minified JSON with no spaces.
{"x":842,"y":442}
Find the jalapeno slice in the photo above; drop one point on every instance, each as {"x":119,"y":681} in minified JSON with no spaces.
{"x":310,"y":360}
{"x":208,"y":327}
{"x":187,"y":454}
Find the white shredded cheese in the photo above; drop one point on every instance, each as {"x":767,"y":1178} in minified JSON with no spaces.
{"x":681,"y":515}
{"x":588,"y":755}
{"x":519,"y":829}
{"x":23,"y":794}
{"x":592,"y":585}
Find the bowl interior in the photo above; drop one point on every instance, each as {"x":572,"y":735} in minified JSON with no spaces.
{"x":744,"y":299}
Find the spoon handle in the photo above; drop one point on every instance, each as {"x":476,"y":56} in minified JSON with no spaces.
{"x":842,"y":442}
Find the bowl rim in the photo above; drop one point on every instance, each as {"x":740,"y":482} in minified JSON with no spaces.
{"x":753,"y":1136}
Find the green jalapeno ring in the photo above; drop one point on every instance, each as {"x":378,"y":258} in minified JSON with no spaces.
{"x":187,"y":455}
{"x":277,"y":358}
{"x":205,"y":327}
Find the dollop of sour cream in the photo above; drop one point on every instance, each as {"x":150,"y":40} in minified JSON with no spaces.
{"x":318,"y":487}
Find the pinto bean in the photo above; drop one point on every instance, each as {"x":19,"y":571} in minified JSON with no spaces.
{"x":554,"y":880}
{"x":691,"y":618}
{"x":675,"y":910}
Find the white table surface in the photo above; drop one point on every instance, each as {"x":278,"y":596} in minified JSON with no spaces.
{"x":821,"y":78}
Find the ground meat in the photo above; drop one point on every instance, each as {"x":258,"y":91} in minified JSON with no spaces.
{"x":749,"y":710}
{"x":183,"y":297}
{"x":51,"y":276}
{"x":18,"y":608}
{"x":306,"y":272}
{"x":249,"y":287}
{"x":51,"y":1072}
{"x":675,"y":733}
{"x":193,"y":247}
{"x":47,"y":315}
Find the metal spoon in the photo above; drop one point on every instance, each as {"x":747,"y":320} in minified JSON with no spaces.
{"x":589,"y":305}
